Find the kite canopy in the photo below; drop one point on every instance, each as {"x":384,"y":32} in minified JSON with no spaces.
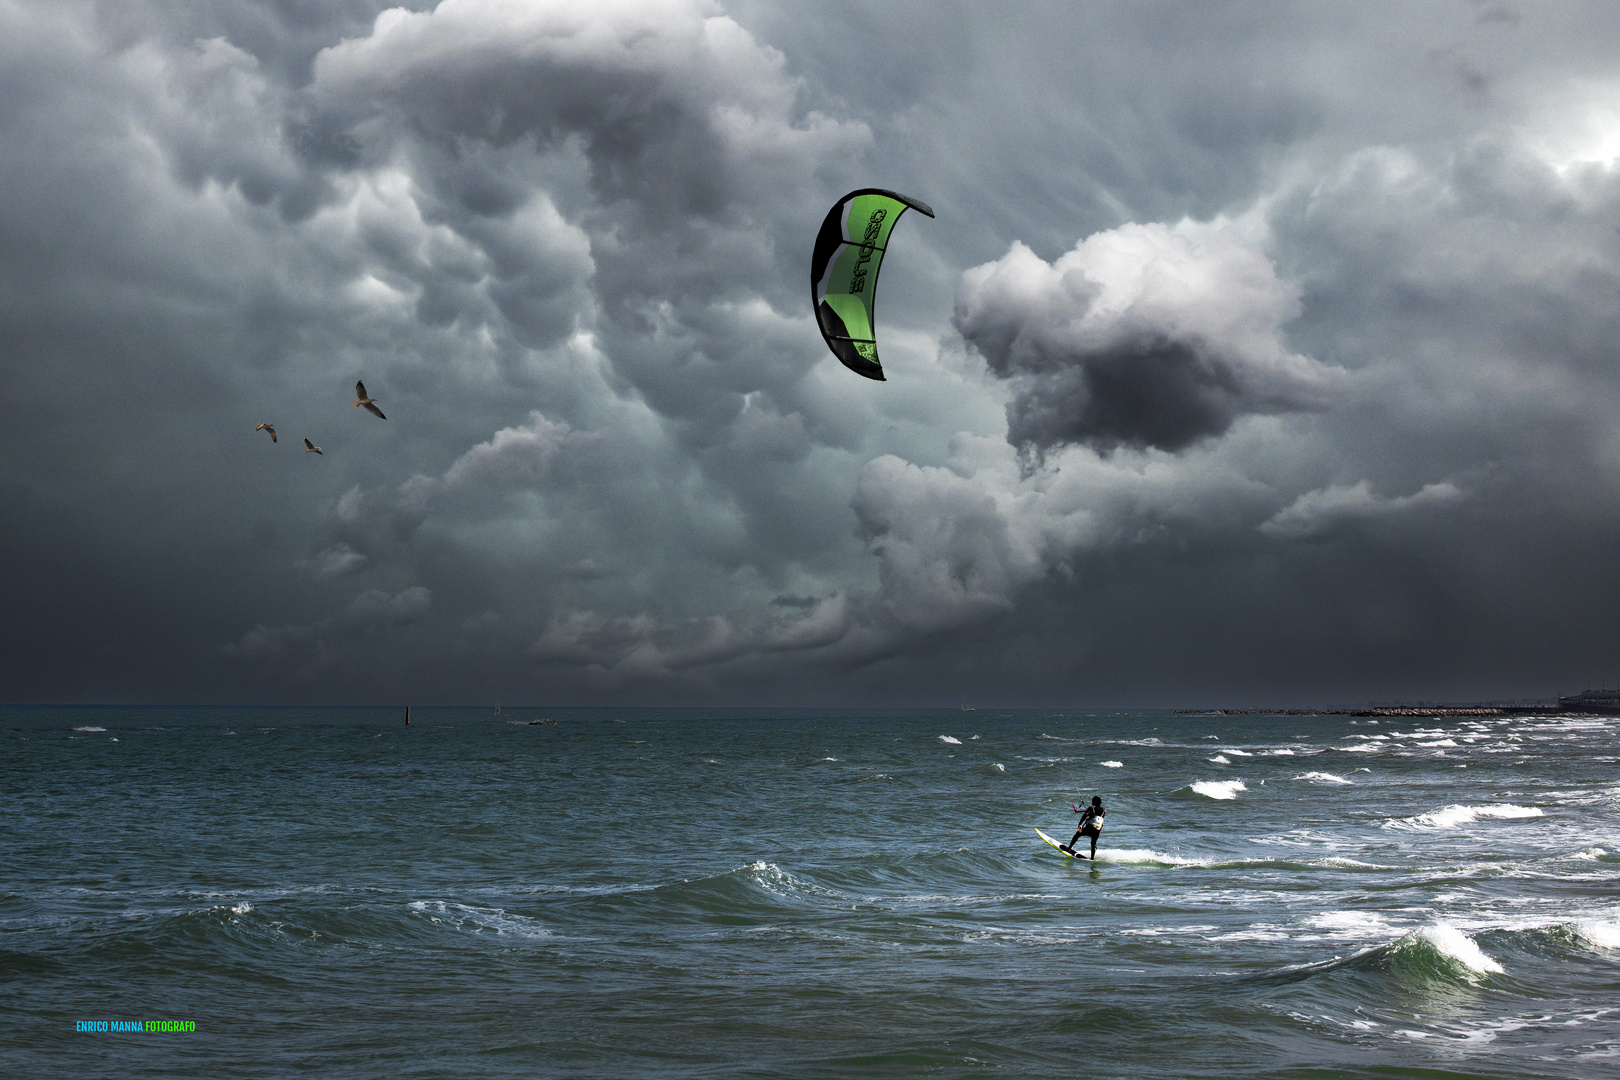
{"x":844,"y":269}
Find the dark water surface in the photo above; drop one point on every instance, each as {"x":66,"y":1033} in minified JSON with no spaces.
{"x":649,"y":893}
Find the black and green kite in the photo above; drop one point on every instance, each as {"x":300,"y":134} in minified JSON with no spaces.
{"x":844,"y":269}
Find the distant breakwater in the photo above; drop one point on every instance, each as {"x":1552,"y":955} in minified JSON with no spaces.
{"x":1394,"y":710}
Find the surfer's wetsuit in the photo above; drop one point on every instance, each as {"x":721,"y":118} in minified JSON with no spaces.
{"x":1091,"y":822}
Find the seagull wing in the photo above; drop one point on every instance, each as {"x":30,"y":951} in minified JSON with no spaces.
{"x":272,"y":432}
{"x":360,"y":390}
{"x":373,"y":410}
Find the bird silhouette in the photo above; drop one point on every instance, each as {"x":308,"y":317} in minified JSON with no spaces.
{"x":311,"y":448}
{"x":368,"y":402}
{"x":270,"y":429}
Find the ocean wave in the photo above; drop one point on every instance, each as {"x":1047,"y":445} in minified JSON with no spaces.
{"x":479,"y":920}
{"x":1323,"y":777}
{"x":1112,"y":764}
{"x":1219,"y":789}
{"x":1455,"y":946}
{"x":1449,"y":817}
{"x":89,"y":729}
{"x":1590,"y":854}
{"x":950,"y":739}
{"x":1435,"y":954}
{"x":1605,"y":935}
{"x":1221,"y":759}
{"x":1238,"y":753}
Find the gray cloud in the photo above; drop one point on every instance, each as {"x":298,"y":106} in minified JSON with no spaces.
{"x":1327,"y":259}
{"x":1318,"y":511}
{"x":1140,"y":336}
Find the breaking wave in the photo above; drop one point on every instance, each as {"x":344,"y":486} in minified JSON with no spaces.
{"x":1449,"y":817}
{"x":1219,"y":789}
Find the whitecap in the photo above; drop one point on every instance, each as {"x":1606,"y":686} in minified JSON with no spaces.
{"x":1325,"y":777}
{"x":1449,"y":817}
{"x":1458,"y":946}
{"x":1221,"y":759}
{"x":1238,"y":753}
{"x":1439,"y":742}
{"x":1605,"y":935}
{"x":89,"y":729}
{"x":950,"y":739}
{"x":1591,"y":854}
{"x":1277,"y":753}
{"x":1220,"y":789}
{"x":999,"y":767}
{"x":1112,"y":764}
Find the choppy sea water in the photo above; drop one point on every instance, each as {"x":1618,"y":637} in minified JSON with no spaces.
{"x":806,"y":894}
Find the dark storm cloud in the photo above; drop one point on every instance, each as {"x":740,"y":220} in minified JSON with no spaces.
{"x":1138,"y":337}
{"x":1308,"y":310}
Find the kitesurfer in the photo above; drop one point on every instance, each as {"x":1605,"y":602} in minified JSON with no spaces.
{"x":1091,"y":823}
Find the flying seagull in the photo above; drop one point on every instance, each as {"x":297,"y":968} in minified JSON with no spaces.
{"x":369,"y":403}
{"x":311,"y":448}
{"x":271,"y":429}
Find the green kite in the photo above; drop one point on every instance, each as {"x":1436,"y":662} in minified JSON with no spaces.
{"x":843,"y":273}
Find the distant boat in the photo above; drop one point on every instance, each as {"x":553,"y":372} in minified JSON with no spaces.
{"x":965,"y":706}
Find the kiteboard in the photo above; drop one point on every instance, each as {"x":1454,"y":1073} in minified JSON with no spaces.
{"x":1057,"y":845}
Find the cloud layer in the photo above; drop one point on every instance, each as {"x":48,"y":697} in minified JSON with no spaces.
{"x":1251,"y":357}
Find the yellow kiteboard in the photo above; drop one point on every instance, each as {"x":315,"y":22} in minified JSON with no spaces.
{"x":1057,"y":845}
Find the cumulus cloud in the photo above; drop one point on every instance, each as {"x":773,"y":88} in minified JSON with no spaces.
{"x":1323,"y":509}
{"x":1141,"y":336}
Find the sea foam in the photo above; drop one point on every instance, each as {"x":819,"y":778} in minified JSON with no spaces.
{"x":1112,"y":764}
{"x":1449,"y":817}
{"x":1220,"y":789}
{"x":1605,"y":935}
{"x":1323,"y":777}
{"x":1457,"y":946}
{"x":950,"y":739}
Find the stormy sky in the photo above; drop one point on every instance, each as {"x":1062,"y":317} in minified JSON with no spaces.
{"x":1258,"y":353}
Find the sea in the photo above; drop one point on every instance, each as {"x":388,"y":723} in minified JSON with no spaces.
{"x":550,"y":892}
